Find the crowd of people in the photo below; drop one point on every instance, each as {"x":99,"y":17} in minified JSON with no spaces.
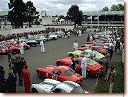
{"x":46,"y":32}
{"x":16,"y":66}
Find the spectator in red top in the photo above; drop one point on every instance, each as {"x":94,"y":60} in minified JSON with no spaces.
{"x":26,"y":78}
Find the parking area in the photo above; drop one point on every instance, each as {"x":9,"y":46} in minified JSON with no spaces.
{"x":55,"y":49}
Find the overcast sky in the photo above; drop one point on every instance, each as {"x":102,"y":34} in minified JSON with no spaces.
{"x":60,"y":7}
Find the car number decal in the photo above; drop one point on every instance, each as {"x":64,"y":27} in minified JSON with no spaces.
{"x":54,"y":77}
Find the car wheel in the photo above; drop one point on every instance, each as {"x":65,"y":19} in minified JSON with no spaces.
{"x":39,"y":74}
{"x":25,"y":47}
{"x":71,"y":55}
{"x":34,"y":91}
{"x":59,"y":64}
{"x":34,"y":44}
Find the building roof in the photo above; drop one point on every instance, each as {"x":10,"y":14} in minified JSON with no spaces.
{"x":3,"y":13}
{"x":104,"y":13}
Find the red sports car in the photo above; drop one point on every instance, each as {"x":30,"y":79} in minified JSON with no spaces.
{"x":10,"y":44}
{"x":4,"y":49}
{"x":92,"y":42}
{"x":92,"y":66}
{"x":99,"y":49}
{"x":61,"y":73}
{"x":83,"y":48}
{"x":96,"y":48}
{"x":104,"y":43}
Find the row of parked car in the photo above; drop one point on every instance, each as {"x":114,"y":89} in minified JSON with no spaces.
{"x":63,"y":71}
{"x":31,"y":41}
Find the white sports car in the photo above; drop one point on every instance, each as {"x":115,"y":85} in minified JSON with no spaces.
{"x":54,"y":86}
{"x":53,"y":36}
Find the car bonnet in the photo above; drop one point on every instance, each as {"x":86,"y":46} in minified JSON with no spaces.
{"x":68,"y":86}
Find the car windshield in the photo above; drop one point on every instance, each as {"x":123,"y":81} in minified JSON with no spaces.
{"x":78,"y":90}
{"x":85,"y":53}
{"x":99,"y":48}
{"x":69,"y":72}
{"x":91,"y":62}
{"x":2,"y":47}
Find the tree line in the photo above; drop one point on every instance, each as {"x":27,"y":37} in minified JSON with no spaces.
{"x":21,"y":12}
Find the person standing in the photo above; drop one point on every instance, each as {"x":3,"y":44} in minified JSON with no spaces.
{"x":111,"y":52}
{"x":75,"y":45}
{"x":2,"y":82}
{"x":91,"y":38}
{"x":110,"y":77}
{"x":83,"y":66}
{"x":88,"y":38}
{"x":73,"y":63}
{"x":107,"y":57}
{"x":80,"y":33}
{"x":118,"y":47}
{"x":69,"y":34}
{"x":21,"y":48}
{"x":9,"y":54}
{"x":26,"y":78}
{"x":93,"y":54}
{"x":20,"y":67}
{"x":11,"y":82}
{"x":42,"y":46}
{"x":114,"y":45}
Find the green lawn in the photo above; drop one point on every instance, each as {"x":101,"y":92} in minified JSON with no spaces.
{"x":102,"y":86}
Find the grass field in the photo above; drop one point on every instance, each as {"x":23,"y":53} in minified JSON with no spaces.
{"x":103,"y":87}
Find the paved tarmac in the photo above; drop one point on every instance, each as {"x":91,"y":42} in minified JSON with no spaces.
{"x":55,"y":49}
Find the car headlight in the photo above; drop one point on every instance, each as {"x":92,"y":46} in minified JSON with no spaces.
{"x":3,"y":50}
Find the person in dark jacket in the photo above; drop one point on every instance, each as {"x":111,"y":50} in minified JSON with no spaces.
{"x":9,"y":54}
{"x":73,"y":63}
{"x":88,"y":38}
{"x":20,"y":67}
{"x":111,"y":52}
{"x":2,"y":82}
{"x":11,"y":82}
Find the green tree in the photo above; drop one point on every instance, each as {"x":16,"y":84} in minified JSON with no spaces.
{"x":105,"y":8}
{"x":75,"y":15}
{"x":119,"y":7}
{"x":31,"y":12}
{"x":16,"y":14}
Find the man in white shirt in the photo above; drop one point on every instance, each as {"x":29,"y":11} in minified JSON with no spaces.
{"x":93,"y":54}
{"x":75,"y":46}
{"x":91,"y":38}
{"x":21,"y":48}
{"x":42,"y":46}
{"x":80,"y":33}
{"x":83,"y":66}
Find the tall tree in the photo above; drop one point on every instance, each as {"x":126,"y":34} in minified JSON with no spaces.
{"x":31,"y":12}
{"x":119,"y":7}
{"x":105,"y":8}
{"x":114,"y":8}
{"x":16,"y":14}
{"x":75,"y":15}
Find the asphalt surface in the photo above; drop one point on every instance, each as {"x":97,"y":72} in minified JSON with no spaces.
{"x":55,"y":49}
